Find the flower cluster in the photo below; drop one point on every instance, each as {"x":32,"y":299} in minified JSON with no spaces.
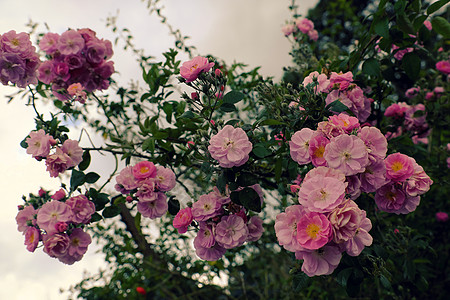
{"x":348,"y":159}
{"x":57,"y":222}
{"x":221,"y":223}
{"x":18,"y":59}
{"x":340,"y":86}
{"x":230,"y":147}
{"x":41,"y":145}
{"x":147,"y":183}
{"x":406,"y":119}
{"x":78,"y":62}
{"x":305,"y":26}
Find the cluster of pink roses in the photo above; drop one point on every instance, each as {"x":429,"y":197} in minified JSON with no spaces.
{"x":221,"y":224}
{"x":18,"y":59}
{"x":40,"y":144}
{"x":341,"y":87}
{"x":304,"y":26}
{"x":58,"y":224}
{"x":147,"y":183}
{"x":348,"y":159}
{"x":417,"y":126}
{"x":78,"y":62}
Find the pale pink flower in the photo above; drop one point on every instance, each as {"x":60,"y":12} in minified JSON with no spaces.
{"x":51,"y":213}
{"x":347,"y":153}
{"x":322,"y":261}
{"x":49,"y":42}
{"x":320,"y":82}
{"x":154,"y":209}
{"x":375,"y":142}
{"x":361,"y":238}
{"x":146,"y":191}
{"x":410,"y":93}
{"x":353,"y":189}
{"x":313,"y":35}
{"x":341,"y":80}
{"x":143,"y":170}
{"x":299,"y":146}
{"x":75,"y":152}
{"x":329,"y":129}
{"x":32,"y":236}
{"x":373,"y":177}
{"x":419,"y":183}
{"x":428,"y":25}
{"x":443,"y":66}
{"x":45,"y":72}
{"x":399,"y":167}
{"x":56,"y":245}
{"x":304,"y":25}
{"x":255,"y":228}
{"x":288,"y":29}
{"x":317,"y":145}
{"x":126,"y":179}
{"x":313,"y":231}
{"x":210,"y":254}
{"x":165,"y":179}
{"x":441,"y":216}
{"x":205,"y":236}
{"x":190,"y":70}
{"x":57,"y":163}
{"x":345,"y":220}
{"x":230,"y":147}
{"x":321,"y":194}
{"x":78,"y":244}
{"x":286,"y":227}
{"x":82,"y":209}
{"x":231,"y":232}
{"x":70,"y":42}
{"x":183,"y":219}
{"x":26,"y":218}
{"x":344,"y":121}
{"x":207,"y":206}
{"x":39,"y":144}
{"x":325,"y":172}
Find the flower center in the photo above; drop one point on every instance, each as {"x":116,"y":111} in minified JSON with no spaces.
{"x":144,"y":170}
{"x":15,"y":42}
{"x":319,"y":151}
{"x":312,"y":230}
{"x":194,"y":67}
{"x":397,"y":166}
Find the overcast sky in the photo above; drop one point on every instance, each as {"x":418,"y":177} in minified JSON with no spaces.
{"x":234,"y":30}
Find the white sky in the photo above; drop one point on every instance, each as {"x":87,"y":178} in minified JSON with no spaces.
{"x":235,"y":30}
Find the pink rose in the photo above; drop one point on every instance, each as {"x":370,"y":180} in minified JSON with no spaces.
{"x":191,"y":69}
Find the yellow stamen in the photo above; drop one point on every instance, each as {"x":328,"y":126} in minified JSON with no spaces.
{"x":312,"y":230}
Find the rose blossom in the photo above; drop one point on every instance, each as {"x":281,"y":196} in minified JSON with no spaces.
{"x":346,"y":153}
{"x":316,"y":149}
{"x":325,"y":172}
{"x":299,"y":146}
{"x":56,"y":245}
{"x":206,"y":207}
{"x":32,"y":236}
{"x":146,"y":190}
{"x":396,"y":110}
{"x":345,"y":220}
{"x":183,"y":219}
{"x":57,"y":163}
{"x":153,"y":209}
{"x":410,"y":93}
{"x":51,"y":213}
{"x":313,"y":35}
{"x":286,"y":227}
{"x":75,"y":152}
{"x":313,"y":230}
{"x":210,"y":254}
{"x":25,"y":218}
{"x":375,"y":142}
{"x":255,"y":229}
{"x":49,"y":42}
{"x":360,"y":239}
{"x":78,"y":244}
{"x":344,"y":121}
{"x":39,"y":144}
{"x":165,"y":179}
{"x":230,"y":147}
{"x":322,"y":261}
{"x":205,"y":236}
{"x":288,"y":29}
{"x":320,"y":82}
{"x":443,"y":66}
{"x":143,"y":170}
{"x":231,"y":232}
{"x":393,"y":199}
{"x":441,"y":216}
{"x":419,"y":183}
{"x":59,"y":195}
{"x":341,"y":80}
{"x":190,"y":70}
{"x":304,"y":25}
{"x":126,"y":179}
{"x":373,"y":177}
{"x":70,"y":42}
{"x":82,"y":209}
{"x":399,"y":167}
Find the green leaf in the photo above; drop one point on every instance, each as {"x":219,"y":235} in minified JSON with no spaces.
{"x":111,"y":211}
{"x":228,"y":107}
{"x":385,"y":282}
{"x":91,"y":177}
{"x":343,"y":276}
{"x":149,"y":144}
{"x":261,"y":151}
{"x":246,"y":179}
{"x":99,"y":199}
{"x":300,"y":281}
{"x":174,"y":206}
{"x":371,"y":67}
{"x":77,"y":179}
{"x":381,"y":27}
{"x":96,"y":217}
{"x":441,"y":26}
{"x":436,"y":6}
{"x":405,"y":24}
{"x":336,"y":106}
{"x":250,"y":199}
{"x":411,"y":65}
{"x":24,"y":144}
{"x":187,"y":115}
{"x":271,"y":122}
{"x":418,"y":22}
{"x":84,"y":164}
{"x":233,"y":97}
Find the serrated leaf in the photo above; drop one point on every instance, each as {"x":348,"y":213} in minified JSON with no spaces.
{"x":343,"y":276}
{"x":336,"y":106}
{"x":381,"y":27}
{"x":187,"y":115}
{"x":405,"y":24}
{"x":227,"y":107}
{"x":111,"y":211}
{"x":91,"y":177}
{"x":233,"y":97}
{"x":86,"y":161}
{"x":300,"y":281}
{"x":271,"y":122}
{"x":250,"y":199}
{"x":385,"y":282}
{"x":96,"y":217}
{"x":76,"y":179}
{"x":441,"y":26}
